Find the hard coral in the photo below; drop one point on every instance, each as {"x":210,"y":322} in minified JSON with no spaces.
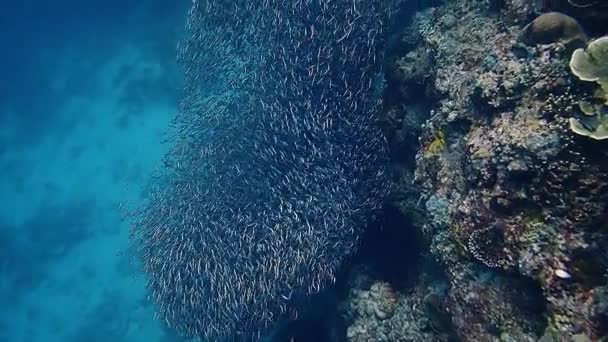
{"x":492,"y":307}
{"x":375,"y":311}
{"x":553,"y":27}
{"x":595,"y":125}
{"x":513,"y":192}
{"x":413,"y":72}
{"x":592,"y":65}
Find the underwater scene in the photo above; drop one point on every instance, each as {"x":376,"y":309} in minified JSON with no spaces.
{"x":304,"y":170}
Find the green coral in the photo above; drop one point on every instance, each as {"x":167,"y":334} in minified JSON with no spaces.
{"x":438,"y":144}
{"x":534,"y":220}
{"x":595,"y":122}
{"x":591,"y":65}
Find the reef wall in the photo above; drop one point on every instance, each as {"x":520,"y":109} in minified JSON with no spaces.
{"x":509,"y":187}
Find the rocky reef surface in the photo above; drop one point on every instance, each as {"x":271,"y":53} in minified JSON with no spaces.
{"x":500,"y":179}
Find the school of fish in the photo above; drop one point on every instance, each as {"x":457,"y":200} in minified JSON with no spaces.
{"x":277,"y":162}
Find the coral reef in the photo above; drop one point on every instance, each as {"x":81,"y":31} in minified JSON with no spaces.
{"x":521,"y":195}
{"x":511,"y":204}
{"x":375,"y":311}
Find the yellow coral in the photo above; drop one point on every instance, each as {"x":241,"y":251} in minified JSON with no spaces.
{"x":437,"y":145}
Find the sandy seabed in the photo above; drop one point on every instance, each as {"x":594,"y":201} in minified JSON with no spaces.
{"x":86,"y":140}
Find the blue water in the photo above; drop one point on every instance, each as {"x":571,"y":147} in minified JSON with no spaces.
{"x":87,"y":89}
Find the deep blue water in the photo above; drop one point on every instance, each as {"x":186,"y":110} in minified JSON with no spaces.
{"x":87,"y":90}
